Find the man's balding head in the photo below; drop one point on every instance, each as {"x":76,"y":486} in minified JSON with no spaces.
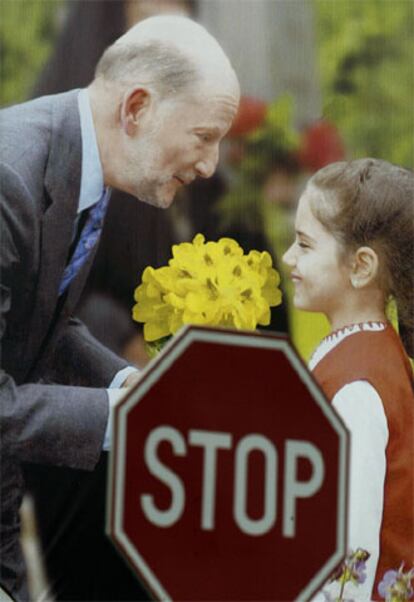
{"x":173,"y":54}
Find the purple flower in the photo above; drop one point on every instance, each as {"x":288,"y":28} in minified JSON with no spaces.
{"x":353,"y":568}
{"x":359,"y":569}
{"x":396,"y":586}
{"x":388,"y":580}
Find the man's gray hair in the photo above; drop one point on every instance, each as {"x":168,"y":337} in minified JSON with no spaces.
{"x":154,"y":62}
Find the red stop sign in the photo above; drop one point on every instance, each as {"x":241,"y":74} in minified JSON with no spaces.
{"x":228,"y":472}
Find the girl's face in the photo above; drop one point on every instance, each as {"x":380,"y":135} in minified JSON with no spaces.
{"x":320,"y":277}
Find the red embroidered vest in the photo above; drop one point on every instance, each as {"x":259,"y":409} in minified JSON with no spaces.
{"x":379,"y":358}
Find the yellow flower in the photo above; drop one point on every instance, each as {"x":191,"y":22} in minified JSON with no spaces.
{"x":207,"y":283}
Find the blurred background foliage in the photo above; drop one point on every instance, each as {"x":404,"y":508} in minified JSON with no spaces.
{"x":271,"y":143}
{"x":27,"y":32}
{"x":366,"y":64}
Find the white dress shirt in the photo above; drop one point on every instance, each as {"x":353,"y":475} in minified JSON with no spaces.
{"x":362,"y":410}
{"x":91,"y":187}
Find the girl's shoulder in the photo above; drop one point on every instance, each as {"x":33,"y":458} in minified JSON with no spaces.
{"x":351,"y":335}
{"x":370,"y":352}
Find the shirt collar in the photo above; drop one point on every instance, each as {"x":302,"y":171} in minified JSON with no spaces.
{"x":92,"y":182}
{"x":333,"y":339}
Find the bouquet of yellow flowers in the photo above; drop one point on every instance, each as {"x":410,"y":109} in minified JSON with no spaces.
{"x":206,"y":283}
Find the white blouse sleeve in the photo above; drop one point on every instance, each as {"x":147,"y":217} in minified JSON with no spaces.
{"x":362,"y":410}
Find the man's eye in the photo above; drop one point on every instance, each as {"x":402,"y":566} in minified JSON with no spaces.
{"x":204,"y":137}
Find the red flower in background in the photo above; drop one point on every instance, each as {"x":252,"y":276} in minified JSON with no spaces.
{"x":321,"y":144}
{"x":251,"y":114}
{"x":320,"y":141}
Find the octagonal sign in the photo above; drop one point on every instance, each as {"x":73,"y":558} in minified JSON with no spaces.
{"x":228,"y":472}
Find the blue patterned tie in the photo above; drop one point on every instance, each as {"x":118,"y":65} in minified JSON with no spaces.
{"x":89,"y":237}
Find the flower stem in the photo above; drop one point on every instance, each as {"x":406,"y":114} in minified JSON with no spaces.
{"x":341,"y":593}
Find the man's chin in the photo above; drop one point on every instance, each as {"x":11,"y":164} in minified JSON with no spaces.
{"x":161,"y":201}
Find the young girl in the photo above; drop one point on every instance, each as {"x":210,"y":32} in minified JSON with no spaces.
{"x":354,"y":250}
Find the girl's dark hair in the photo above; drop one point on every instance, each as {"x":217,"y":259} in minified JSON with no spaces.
{"x":371,"y":202}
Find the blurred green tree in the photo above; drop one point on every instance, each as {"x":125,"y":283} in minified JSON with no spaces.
{"x":366,"y":61}
{"x":27,"y":32}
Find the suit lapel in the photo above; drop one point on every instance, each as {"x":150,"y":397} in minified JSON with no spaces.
{"x":62,"y":185}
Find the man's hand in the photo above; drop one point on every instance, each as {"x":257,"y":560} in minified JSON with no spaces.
{"x":132,"y":379}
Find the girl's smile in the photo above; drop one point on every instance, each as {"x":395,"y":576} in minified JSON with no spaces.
{"x":319,"y":272}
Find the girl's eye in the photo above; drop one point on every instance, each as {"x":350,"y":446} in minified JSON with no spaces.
{"x":303,"y":245}
{"x":204,"y":137}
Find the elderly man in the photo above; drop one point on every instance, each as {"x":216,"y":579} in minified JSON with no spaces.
{"x":163,"y":97}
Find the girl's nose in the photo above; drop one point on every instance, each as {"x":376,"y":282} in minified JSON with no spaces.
{"x":289,"y":256}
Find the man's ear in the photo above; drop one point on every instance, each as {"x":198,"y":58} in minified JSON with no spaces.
{"x":134,"y":104}
{"x":364,"y":267}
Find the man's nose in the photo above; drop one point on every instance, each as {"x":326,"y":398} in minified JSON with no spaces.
{"x":206,"y":166}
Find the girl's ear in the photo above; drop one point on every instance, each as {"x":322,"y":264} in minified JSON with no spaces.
{"x":364,"y":267}
{"x":134,"y":104}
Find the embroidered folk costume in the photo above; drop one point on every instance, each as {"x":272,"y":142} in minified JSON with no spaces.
{"x":366,"y":373}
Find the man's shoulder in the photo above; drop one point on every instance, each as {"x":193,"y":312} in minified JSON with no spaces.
{"x":37,"y":112}
{"x":26,"y":130}
{"x":41,"y":103}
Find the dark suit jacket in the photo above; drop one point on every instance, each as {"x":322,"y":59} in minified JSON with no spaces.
{"x":43,"y":349}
